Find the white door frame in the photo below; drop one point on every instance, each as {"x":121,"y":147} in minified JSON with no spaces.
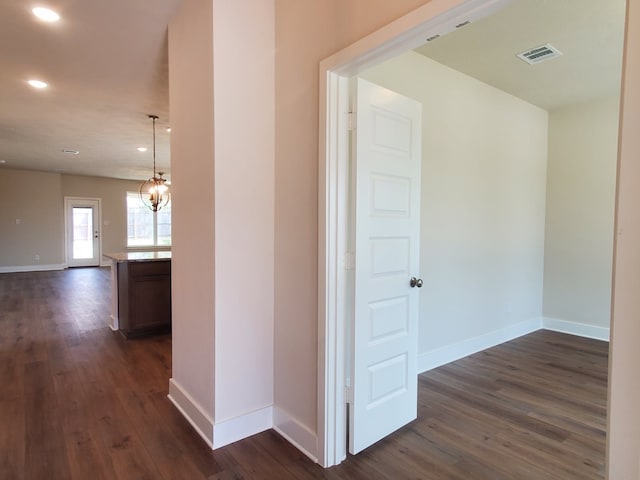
{"x":437,"y":17}
{"x":68,"y":202}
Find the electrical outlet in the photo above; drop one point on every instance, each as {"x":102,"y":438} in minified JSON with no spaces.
{"x":36,"y":257}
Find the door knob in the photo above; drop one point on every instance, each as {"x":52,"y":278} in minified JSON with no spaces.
{"x":415,"y":282}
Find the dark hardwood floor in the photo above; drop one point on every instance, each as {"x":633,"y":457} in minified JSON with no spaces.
{"x":78,"y":401}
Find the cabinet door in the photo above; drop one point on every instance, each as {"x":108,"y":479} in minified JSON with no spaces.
{"x":148,"y":298}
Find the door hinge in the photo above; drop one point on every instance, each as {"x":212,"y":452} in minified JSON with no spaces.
{"x":348,"y":395}
{"x":351,"y":121}
{"x":349,"y":261}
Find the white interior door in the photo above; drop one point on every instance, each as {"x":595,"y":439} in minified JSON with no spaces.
{"x":387,"y":218}
{"x":83,"y":232}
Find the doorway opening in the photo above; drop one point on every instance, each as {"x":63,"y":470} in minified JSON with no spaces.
{"x":433,"y":19}
{"x":334,"y":203}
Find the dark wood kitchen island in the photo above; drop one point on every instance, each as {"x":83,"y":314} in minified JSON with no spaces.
{"x":141,"y":293}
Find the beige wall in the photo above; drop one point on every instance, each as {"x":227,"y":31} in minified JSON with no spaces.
{"x":307,"y":31}
{"x":623,"y":454}
{"x":34,"y":199}
{"x":483,"y":197}
{"x":580,"y":209}
{"x":41,"y":228}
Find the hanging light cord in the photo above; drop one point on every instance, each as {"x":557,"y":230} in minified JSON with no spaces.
{"x":154,"y":118}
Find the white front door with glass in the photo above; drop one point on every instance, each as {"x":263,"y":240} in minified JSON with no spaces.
{"x":83,"y":231}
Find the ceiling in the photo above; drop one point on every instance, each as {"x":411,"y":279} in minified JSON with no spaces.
{"x":589,"y":33}
{"x":106,"y":65}
{"x":107,"y":69}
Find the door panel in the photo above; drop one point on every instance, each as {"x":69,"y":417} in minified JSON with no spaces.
{"x":387,"y":197}
{"x":83,"y":232}
{"x":82,"y":238}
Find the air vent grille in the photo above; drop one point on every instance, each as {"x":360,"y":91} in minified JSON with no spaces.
{"x":539,"y":54}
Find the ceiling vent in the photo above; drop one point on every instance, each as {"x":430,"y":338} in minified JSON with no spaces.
{"x":539,"y":54}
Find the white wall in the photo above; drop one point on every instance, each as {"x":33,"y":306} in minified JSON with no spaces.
{"x":579,"y":221}
{"x":221,"y":55}
{"x":483,"y":204}
{"x":244,"y":210}
{"x":193,"y":210}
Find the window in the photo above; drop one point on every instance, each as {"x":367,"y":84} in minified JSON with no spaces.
{"x":146,"y":228}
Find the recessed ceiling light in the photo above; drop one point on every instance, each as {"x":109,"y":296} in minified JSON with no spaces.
{"x":37,"y":84}
{"x":142,"y":149}
{"x":46,"y":14}
{"x":70,"y":151}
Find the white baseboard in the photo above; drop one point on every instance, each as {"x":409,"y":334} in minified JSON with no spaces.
{"x":32,"y":268}
{"x":192,"y":411}
{"x":223,"y":433}
{"x":296,"y":433}
{"x":229,"y":431}
{"x":115,"y":323}
{"x":456,"y":351}
{"x":575,"y":328}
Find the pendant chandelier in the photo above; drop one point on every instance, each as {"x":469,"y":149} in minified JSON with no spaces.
{"x":154,"y":193}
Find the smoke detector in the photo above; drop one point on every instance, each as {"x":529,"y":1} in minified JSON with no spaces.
{"x":539,"y":54}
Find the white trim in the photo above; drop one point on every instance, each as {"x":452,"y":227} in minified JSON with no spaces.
{"x":223,"y":433}
{"x":192,"y":411}
{"x":32,"y":268}
{"x":576,"y":328}
{"x":436,"y":17}
{"x":229,"y":431}
{"x":331,"y":449}
{"x":449,"y":353}
{"x":115,"y":300}
{"x":295,"y":433}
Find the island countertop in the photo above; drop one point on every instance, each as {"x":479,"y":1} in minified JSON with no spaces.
{"x":138,"y":256}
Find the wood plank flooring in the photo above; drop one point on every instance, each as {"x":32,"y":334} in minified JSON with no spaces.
{"x":78,"y":401}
